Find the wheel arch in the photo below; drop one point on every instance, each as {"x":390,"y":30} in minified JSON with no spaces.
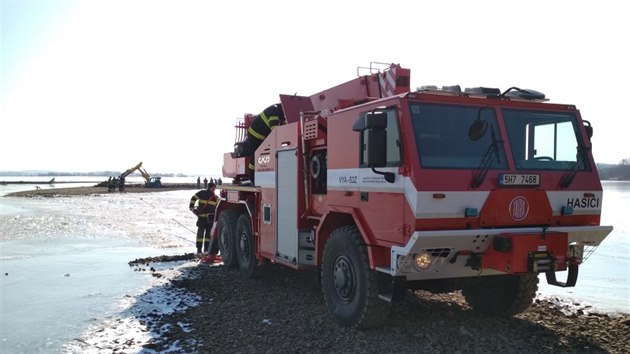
{"x":329,"y":223}
{"x":378,"y":256}
{"x":223,"y":206}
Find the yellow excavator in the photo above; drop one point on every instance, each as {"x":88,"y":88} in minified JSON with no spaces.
{"x":149,"y":182}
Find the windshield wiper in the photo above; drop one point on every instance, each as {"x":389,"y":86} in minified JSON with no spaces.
{"x":487,"y":159}
{"x":581,"y":157}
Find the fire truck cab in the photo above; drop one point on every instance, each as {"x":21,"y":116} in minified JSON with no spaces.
{"x":385,"y":189}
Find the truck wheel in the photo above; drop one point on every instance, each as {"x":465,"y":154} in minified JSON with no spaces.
{"x":226,"y":230}
{"x":501,"y":295}
{"x":349,"y":286}
{"x":246,"y":247}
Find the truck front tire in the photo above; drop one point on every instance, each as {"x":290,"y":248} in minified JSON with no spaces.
{"x":501,"y":295}
{"x":349,"y":286}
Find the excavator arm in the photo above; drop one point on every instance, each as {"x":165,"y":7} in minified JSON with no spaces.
{"x":144,"y":174}
{"x":151,"y":182}
{"x":132,"y":170}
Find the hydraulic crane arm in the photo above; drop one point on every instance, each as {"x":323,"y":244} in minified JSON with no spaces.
{"x":377,"y":84}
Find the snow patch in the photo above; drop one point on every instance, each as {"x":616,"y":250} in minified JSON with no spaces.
{"x":131,"y":329}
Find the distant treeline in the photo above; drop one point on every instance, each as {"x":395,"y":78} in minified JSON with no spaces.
{"x":96,"y":174}
{"x":619,"y":172}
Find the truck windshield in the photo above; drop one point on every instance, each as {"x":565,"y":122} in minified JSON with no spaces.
{"x":441,"y":133}
{"x":543,"y":140}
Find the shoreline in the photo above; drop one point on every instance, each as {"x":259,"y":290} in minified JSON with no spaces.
{"x":283,"y":311}
{"x":78,"y":191}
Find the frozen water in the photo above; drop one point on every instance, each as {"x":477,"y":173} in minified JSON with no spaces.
{"x":127,"y":328}
{"x":65,"y":280}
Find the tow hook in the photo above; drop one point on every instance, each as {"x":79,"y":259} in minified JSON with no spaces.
{"x":571,"y":276}
{"x":474,"y":261}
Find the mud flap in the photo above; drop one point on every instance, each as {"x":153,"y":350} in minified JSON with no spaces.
{"x":213,"y":230}
{"x":391,"y":289}
{"x":571,"y":277}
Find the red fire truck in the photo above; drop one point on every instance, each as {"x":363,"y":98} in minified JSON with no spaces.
{"x":385,"y":189}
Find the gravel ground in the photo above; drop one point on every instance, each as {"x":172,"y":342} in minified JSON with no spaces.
{"x":283,"y":311}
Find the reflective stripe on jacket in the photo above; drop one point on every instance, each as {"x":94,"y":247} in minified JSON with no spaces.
{"x":207,"y":203}
{"x":264,"y":123}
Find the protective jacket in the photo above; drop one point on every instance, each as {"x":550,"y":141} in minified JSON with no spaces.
{"x":263,"y":124}
{"x":260,"y":127}
{"x":207,"y":203}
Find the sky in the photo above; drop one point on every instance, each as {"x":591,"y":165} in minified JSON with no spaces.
{"x":102,"y":85}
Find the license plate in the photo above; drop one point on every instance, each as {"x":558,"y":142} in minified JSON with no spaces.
{"x":511,"y":179}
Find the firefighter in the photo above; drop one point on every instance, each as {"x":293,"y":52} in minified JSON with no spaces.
{"x":113,"y":184}
{"x":206,"y":202}
{"x":261,"y":126}
{"x":121,"y":184}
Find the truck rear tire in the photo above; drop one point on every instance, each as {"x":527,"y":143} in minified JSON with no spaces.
{"x":501,"y":295}
{"x":226,"y":229}
{"x":246,"y":247}
{"x":349,"y":286}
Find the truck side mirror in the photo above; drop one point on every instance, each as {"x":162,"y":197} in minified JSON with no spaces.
{"x":373,"y":126}
{"x":375,"y":147}
{"x":477,"y":129}
{"x":588,"y":128}
{"x":371,"y":120}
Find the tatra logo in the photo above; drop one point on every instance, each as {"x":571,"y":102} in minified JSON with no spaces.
{"x":519,"y":208}
{"x":264,"y":159}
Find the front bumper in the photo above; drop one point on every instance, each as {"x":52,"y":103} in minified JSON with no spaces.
{"x":450,"y":250}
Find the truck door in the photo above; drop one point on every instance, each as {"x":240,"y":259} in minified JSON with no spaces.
{"x":381,"y":202}
{"x":287,"y":204}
